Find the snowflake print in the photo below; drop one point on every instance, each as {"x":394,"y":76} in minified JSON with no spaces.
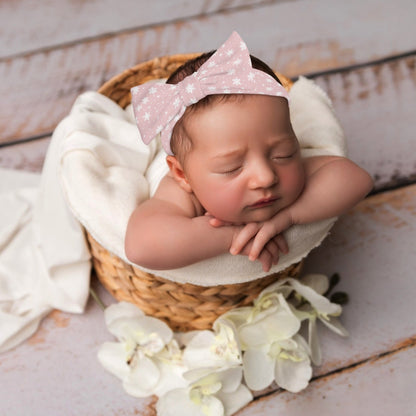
{"x":190,"y":88}
{"x":146,"y":116}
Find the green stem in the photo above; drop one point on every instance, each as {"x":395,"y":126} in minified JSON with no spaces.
{"x":97,"y":299}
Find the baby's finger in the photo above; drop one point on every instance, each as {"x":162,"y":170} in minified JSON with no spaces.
{"x":274,"y":251}
{"x":243,"y":237}
{"x":281,"y":243}
{"x":266,"y":261}
{"x":215,"y":222}
{"x":264,"y":235}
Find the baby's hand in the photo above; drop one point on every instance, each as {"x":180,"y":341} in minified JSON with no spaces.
{"x":261,"y":234}
{"x":216,"y":222}
{"x":268,"y":257}
{"x":269,"y":254}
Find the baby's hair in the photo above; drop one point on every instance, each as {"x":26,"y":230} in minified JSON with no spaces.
{"x":181,"y":142}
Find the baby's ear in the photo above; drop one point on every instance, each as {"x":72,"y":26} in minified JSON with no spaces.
{"x":178,"y":173}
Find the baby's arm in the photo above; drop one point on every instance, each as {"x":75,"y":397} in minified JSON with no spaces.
{"x":333,"y":186}
{"x":167,"y":232}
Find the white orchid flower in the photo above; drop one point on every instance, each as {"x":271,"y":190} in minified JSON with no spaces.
{"x":219,"y":349}
{"x":272,"y":350}
{"x":146,"y":358}
{"x":311,"y":288}
{"x":214,"y":393}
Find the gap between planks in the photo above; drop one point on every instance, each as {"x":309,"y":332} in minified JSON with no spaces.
{"x":402,"y":346}
{"x":203,"y":13}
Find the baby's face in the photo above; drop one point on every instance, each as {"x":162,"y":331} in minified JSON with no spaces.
{"x":245,"y":163}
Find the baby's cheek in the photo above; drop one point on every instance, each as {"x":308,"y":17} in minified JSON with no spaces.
{"x":228,"y":206}
{"x":294,"y":183}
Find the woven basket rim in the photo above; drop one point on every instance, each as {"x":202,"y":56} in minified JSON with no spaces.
{"x":148,"y":66}
{"x":184,"y":306}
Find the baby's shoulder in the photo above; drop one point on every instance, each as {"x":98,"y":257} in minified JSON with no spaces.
{"x":169,"y":191}
{"x":313,"y":163}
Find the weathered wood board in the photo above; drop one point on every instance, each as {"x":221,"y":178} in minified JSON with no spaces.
{"x":361,"y":52}
{"x":57,"y":372}
{"x":346,"y":32}
{"x":55,"y":23}
{"x":27,"y":156}
{"x":377,"y":387}
{"x":376,"y":107}
{"x":374,"y":103}
{"x":39,"y":87}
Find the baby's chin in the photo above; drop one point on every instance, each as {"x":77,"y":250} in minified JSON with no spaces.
{"x":254,"y":215}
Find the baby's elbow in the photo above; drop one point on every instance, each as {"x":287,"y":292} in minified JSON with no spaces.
{"x":130,"y":250}
{"x":367,"y":183}
{"x":136,"y":249}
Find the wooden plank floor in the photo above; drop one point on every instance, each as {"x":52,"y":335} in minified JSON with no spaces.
{"x":379,"y":317}
{"x":49,"y":54}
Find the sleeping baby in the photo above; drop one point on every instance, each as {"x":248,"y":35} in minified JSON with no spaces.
{"x":236,"y":177}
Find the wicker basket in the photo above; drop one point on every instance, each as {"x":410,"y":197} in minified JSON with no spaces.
{"x":183,"y":306}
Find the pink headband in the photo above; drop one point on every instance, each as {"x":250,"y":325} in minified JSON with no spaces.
{"x":158,"y":106}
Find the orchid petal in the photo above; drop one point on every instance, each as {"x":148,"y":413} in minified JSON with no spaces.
{"x":143,"y":377}
{"x":177,"y":402}
{"x":211,"y":406}
{"x":258,"y":369}
{"x":318,"y":282}
{"x":334,"y":325}
{"x":112,"y":356}
{"x":279,"y":325}
{"x":198,"y":352}
{"x":234,"y":401}
{"x":314,"y":342}
{"x":274,"y":287}
{"x":292,"y":375}
{"x":202,"y":376}
{"x":320,"y":303}
{"x":150,"y":325}
{"x":238,"y":316}
{"x":126,"y":329}
{"x":171,"y":377}
{"x":231,"y":379}
{"x":304,"y":313}
{"x":121,"y":310}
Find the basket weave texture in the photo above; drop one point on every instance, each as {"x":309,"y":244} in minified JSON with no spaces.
{"x":185,"y":306}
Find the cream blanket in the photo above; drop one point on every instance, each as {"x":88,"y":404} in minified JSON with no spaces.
{"x":105,"y":171}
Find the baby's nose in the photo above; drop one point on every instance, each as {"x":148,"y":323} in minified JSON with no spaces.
{"x":262,"y":176}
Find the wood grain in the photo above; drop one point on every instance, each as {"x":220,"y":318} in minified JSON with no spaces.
{"x":375,"y":105}
{"x":381,"y":386}
{"x":38,"y":88}
{"x":27,"y":156}
{"x":55,"y":23}
{"x":372,"y":248}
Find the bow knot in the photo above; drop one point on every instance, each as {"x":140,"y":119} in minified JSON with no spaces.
{"x":158,"y":107}
{"x":190,"y":90}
